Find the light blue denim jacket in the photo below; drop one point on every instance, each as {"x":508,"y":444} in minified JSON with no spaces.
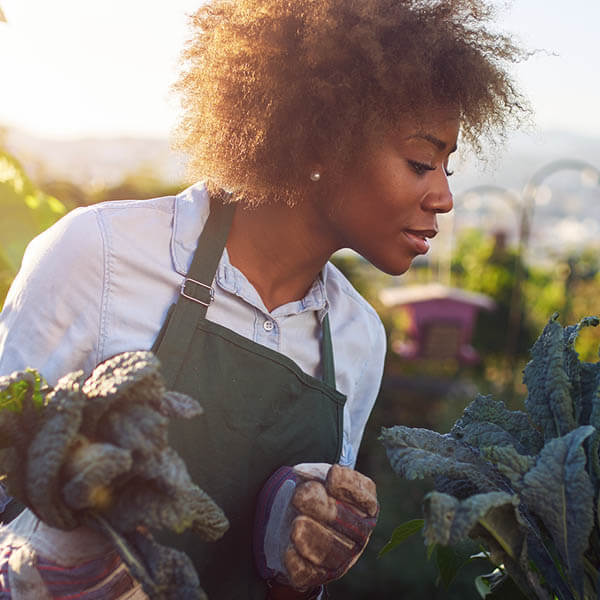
{"x":100,"y":282}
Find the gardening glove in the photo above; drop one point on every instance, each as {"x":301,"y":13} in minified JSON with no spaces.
{"x":313,"y":522}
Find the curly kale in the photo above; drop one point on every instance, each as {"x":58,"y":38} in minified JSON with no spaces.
{"x":95,"y":451}
{"x":532,"y":478}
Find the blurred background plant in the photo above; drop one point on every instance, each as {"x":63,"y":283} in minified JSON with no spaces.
{"x":26,"y":211}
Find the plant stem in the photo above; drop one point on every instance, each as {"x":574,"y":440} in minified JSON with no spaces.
{"x":590,"y":570}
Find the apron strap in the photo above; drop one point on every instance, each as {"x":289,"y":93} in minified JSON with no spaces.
{"x":196,"y":293}
{"x":197,"y":286}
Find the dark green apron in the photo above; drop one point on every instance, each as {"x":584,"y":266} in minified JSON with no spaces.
{"x":261,"y":411}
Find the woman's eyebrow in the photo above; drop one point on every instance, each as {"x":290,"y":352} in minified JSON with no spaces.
{"x":439,"y":144}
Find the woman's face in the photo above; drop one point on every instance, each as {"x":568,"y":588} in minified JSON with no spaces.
{"x":386,"y":207}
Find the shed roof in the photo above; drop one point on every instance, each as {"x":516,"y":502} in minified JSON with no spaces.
{"x":413,"y":294}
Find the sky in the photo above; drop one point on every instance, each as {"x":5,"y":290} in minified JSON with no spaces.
{"x":81,"y":68}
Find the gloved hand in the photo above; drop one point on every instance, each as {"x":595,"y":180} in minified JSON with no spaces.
{"x":313,"y":522}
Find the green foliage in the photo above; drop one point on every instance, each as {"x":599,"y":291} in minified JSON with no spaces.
{"x":483,"y":264}
{"x":480,"y":265}
{"x":449,"y":561}
{"x":401,"y":533}
{"x":26,"y":212}
{"x":12,"y":395}
{"x":525,"y":484}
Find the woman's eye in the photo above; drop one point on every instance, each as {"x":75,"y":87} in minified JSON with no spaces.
{"x":420,"y":168}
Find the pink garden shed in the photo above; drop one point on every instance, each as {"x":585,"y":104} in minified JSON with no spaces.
{"x":442,"y":319}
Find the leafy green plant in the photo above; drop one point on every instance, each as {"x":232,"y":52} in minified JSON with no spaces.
{"x":524,"y":484}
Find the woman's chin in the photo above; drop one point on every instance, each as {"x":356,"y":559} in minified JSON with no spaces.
{"x":396,"y":265}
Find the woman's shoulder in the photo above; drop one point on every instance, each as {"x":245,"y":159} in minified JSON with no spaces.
{"x":85,"y":231}
{"x":84,"y":225}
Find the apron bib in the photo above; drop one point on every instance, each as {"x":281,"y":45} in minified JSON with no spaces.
{"x":261,"y":411}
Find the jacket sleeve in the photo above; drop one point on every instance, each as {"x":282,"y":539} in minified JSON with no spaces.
{"x":52,"y":321}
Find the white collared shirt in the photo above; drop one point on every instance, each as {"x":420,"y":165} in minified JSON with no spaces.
{"x":101,"y":280}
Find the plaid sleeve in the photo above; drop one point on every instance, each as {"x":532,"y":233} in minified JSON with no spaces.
{"x":104,"y":578}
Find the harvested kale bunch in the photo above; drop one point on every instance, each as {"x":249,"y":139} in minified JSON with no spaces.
{"x":524,"y":483}
{"x":95,"y":451}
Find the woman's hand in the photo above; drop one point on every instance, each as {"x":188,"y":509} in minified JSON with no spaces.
{"x":313,"y":523}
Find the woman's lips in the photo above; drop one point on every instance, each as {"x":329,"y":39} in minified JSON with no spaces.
{"x":419,"y":239}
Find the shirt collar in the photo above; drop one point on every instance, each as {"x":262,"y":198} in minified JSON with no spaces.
{"x":191,"y":208}
{"x":232,"y":280}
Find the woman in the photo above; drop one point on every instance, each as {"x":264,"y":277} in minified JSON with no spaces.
{"x":330,"y":124}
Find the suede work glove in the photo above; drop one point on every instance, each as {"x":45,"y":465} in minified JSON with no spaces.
{"x":313,"y":522}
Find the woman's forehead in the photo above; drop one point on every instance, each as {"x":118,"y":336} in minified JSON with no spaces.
{"x":438,"y":128}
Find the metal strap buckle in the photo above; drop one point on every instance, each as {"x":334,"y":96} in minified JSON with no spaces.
{"x":211,"y":292}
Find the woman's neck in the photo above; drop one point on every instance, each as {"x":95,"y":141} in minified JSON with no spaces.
{"x":280,"y":249}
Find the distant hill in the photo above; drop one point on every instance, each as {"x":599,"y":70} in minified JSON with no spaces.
{"x":95,"y":161}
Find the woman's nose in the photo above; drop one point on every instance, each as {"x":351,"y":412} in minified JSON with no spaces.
{"x":439,"y":197}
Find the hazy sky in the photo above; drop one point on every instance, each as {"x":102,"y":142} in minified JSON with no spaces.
{"x":72,"y":68}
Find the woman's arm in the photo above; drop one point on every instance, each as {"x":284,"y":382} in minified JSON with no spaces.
{"x":51,"y":321}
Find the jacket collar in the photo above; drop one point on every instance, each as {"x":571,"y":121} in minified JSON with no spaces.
{"x":190,"y":212}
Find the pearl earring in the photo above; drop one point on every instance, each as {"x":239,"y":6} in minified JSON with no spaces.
{"x":315,"y":176}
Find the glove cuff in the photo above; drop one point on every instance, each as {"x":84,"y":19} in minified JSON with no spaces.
{"x":274,"y":513}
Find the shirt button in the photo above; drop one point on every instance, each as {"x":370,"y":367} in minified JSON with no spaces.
{"x":268,"y":325}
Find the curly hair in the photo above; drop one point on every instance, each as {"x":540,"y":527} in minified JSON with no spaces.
{"x":270,"y":88}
